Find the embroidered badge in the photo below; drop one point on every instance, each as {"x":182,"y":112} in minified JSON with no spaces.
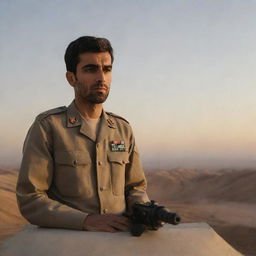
{"x":117,"y":146}
{"x":72,"y":120}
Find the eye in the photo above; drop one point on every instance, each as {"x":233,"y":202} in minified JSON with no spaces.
{"x":107,"y":69}
{"x":90,"y":69}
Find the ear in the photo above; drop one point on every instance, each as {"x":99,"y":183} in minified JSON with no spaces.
{"x":71,"y":78}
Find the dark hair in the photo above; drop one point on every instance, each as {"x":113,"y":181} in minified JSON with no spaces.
{"x":85,"y":44}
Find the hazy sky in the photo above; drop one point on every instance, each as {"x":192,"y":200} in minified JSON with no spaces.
{"x":184,"y":74}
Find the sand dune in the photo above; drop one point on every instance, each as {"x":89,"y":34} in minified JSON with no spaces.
{"x":224,"y":199}
{"x":192,"y":185}
{"x":10,"y":219}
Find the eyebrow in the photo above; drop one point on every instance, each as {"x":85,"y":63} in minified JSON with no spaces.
{"x":95,"y":66}
{"x":90,"y":66}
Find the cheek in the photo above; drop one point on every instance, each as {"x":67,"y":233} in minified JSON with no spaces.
{"x":81,"y":88}
{"x":109,"y":79}
{"x":85,"y":79}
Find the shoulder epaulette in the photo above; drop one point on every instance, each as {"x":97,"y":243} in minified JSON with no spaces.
{"x":119,"y":117}
{"x":51,"y":112}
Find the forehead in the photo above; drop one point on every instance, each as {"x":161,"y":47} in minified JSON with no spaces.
{"x":102,"y":58}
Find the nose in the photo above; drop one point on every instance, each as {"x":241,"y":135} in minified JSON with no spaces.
{"x":100,"y":76}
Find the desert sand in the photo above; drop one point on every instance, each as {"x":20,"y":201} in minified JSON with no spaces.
{"x":224,"y":199}
{"x":10,"y":218}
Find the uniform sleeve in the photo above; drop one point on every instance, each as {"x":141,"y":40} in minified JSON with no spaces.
{"x":136,"y":184}
{"x":35,"y":177}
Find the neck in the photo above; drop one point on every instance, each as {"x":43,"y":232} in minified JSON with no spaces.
{"x":88,"y":110}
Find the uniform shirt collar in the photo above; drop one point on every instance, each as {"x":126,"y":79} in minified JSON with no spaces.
{"x":74,"y":117}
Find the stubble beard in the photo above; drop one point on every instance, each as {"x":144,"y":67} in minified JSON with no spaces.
{"x":96,"y":97}
{"x":92,"y":95}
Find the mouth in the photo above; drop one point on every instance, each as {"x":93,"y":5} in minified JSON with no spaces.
{"x":100,"y":89}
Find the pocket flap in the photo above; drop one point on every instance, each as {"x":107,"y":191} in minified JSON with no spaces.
{"x":118,"y":157}
{"x":72,"y":157}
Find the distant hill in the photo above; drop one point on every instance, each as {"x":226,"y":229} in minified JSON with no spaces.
{"x":188,"y":186}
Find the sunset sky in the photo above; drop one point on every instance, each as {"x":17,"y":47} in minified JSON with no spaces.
{"x":183,"y":76}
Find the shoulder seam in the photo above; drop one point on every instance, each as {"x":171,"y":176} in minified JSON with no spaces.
{"x":49,"y":112}
{"x":117,"y":116}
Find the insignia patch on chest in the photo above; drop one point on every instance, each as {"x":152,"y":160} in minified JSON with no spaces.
{"x":117,"y":146}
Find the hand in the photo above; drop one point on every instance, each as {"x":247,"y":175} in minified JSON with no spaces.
{"x":106,"y":223}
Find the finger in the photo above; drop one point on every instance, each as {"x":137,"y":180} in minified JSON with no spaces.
{"x":106,"y":228}
{"x":119,"y":226}
{"x":121,"y":219}
{"x":110,"y":229}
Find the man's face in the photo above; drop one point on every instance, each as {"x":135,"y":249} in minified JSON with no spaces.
{"x":93,"y":77}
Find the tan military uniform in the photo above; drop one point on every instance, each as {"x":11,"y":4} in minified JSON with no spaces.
{"x":66,"y":175}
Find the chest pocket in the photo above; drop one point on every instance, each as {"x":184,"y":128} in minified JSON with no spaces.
{"x":73,"y":175}
{"x":118,"y":161}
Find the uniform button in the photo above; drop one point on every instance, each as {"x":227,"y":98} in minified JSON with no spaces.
{"x":105,"y":210}
{"x":123,"y":161}
{"x":101,"y":188}
{"x":99,"y":163}
{"x":75,"y":162}
{"x":97,"y":145}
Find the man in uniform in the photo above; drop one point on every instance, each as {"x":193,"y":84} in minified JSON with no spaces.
{"x":80,"y":166}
